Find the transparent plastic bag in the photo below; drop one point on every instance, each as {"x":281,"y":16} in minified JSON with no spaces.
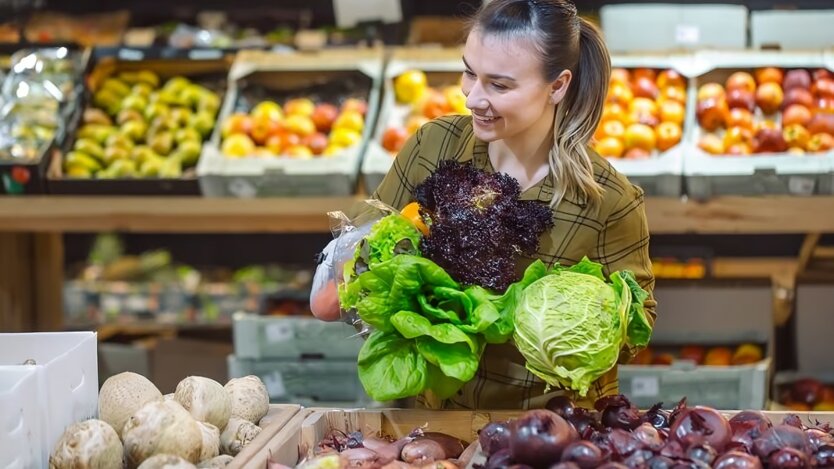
{"x":348,"y":233}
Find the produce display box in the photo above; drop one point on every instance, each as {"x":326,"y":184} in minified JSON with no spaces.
{"x":312,"y":381}
{"x":645,"y":27}
{"x":791,"y":29}
{"x":442,"y":66}
{"x":803,"y":391}
{"x":709,"y":175}
{"x":278,"y":417}
{"x":301,"y":435}
{"x":29,"y":176}
{"x":60,"y":388}
{"x":662,"y":173}
{"x":269,"y":337}
{"x":347,"y":73}
{"x":205,"y":67}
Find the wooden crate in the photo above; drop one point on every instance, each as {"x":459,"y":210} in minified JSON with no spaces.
{"x":277,"y":417}
{"x":302,"y":433}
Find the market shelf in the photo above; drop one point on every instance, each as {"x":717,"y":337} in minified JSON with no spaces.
{"x":44,"y":214}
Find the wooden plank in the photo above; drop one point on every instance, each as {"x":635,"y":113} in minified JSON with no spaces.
{"x":48,"y":276}
{"x":274,"y":421}
{"x":730,"y":215}
{"x":16,"y":287}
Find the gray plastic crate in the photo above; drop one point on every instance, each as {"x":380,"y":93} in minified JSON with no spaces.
{"x":312,"y":382}
{"x":265,"y":337}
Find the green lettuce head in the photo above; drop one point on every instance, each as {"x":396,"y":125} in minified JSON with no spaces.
{"x":571,"y":324}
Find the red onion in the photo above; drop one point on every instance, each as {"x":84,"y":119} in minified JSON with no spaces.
{"x":778,"y":437}
{"x":788,"y":458}
{"x":702,"y":423}
{"x":539,"y":437}
{"x":737,"y":460}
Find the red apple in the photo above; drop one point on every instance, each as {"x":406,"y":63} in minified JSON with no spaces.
{"x":769,"y":141}
{"x":769,"y":97}
{"x":798,"y":96}
{"x":712,"y":113}
{"x":796,"y":114}
{"x":823,"y":87}
{"x":821,"y":123}
{"x":711,"y":144}
{"x":739,"y":117}
{"x":740,"y":97}
{"x":316,"y":142}
{"x":824,"y":105}
{"x":769,"y":75}
{"x":638,"y":73}
{"x":621,"y":75}
{"x":710,"y":90}
{"x":742,"y":81}
{"x":798,"y":78}
{"x":735,"y":135}
{"x":820,"y":142}
{"x":738,"y":149}
{"x":821,"y":73}
{"x":324,"y":115}
{"x":394,"y":138}
{"x":637,"y":154}
{"x":668,"y":78}
{"x":644,"y":87}
{"x":355,"y":104}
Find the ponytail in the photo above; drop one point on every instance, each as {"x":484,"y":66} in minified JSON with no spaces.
{"x":577,"y":117}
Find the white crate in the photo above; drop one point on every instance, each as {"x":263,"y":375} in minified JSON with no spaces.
{"x":254,"y":176}
{"x":647,"y":27}
{"x":67,"y":380}
{"x":22,"y":436}
{"x":439,"y":64}
{"x":759,"y":174}
{"x":794,"y":29}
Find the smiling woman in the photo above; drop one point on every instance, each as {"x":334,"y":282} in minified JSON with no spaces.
{"x":536,"y":76}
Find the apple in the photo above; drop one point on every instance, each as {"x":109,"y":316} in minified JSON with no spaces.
{"x":710,"y":90}
{"x":663,"y":359}
{"x":820,"y":142}
{"x":711,"y":144}
{"x":798,"y":78}
{"x":643,"y":106}
{"x":672,"y":111}
{"x":766,"y":124}
{"x":640,"y":136}
{"x":299,"y":151}
{"x":821,"y":123}
{"x":279,"y":142}
{"x":613,"y":111}
{"x":739,"y":117}
{"x":644,"y":87}
{"x":620,"y":93}
{"x":798,"y":96}
{"x":620,"y":75}
{"x":739,"y":97}
{"x":237,"y":123}
{"x":355,"y":104}
{"x":693,"y":352}
{"x":323,"y":116}
{"x":299,"y":124}
{"x":796,"y":114}
{"x":351,"y":120}
{"x":712,"y":113}
{"x":238,"y":145}
{"x":821,"y":73}
{"x":267,"y":110}
{"x":413,"y":123}
{"x":299,"y":107}
{"x":718,"y":356}
{"x":316,"y":142}
{"x":262,"y":127}
{"x":668,"y":135}
{"x":637,"y":154}
{"x":639,"y":73}
{"x":823,"y":87}
{"x":769,"y":75}
{"x":741,"y":81}
{"x":796,"y":151}
{"x":394,"y":138}
{"x":672,"y":93}
{"x":825,"y":105}
{"x":738,"y":149}
{"x":735,"y":135}
{"x":796,"y":135}
{"x":609,"y":147}
{"x":435,"y":105}
{"x":668,"y":78}
{"x":769,"y":97}
{"x":642,"y":117}
{"x":769,"y":141}
{"x":610,"y":128}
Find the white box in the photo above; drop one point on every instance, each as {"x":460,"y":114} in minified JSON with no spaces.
{"x":67,"y":381}
{"x":439,"y":64}
{"x":653,"y":27}
{"x":254,"y":176}
{"x":795,"y":29}
{"x":20,"y":418}
{"x":762,"y":173}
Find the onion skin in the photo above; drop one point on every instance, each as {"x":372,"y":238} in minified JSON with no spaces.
{"x":358,"y":457}
{"x":453,"y":447}
{"x":584,"y":454}
{"x":494,"y":437}
{"x":737,"y":460}
{"x":539,"y":437}
{"x":500,"y":459}
{"x":422,"y":451}
{"x":748,"y":425}
{"x":824,"y":457}
{"x":788,"y":458}
{"x":819,"y":438}
{"x":660,"y":462}
{"x":779,"y":437}
{"x":686,"y":424}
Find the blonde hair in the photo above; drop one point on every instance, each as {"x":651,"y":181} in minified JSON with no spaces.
{"x":565,"y":41}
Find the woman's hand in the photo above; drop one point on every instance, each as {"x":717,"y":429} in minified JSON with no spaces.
{"x":324,"y":302}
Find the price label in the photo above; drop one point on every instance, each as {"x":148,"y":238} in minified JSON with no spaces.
{"x":242,"y":188}
{"x":687,"y":34}
{"x":800,"y":185}
{"x":205,"y":54}
{"x":278,"y":332}
{"x":645,"y":386}
{"x":131,"y":54}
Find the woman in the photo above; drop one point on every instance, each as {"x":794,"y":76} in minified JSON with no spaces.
{"x":536,"y":76}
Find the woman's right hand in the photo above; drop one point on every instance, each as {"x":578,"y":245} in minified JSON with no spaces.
{"x":324,"y":303}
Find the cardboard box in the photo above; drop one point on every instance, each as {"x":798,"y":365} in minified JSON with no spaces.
{"x":20,"y":418}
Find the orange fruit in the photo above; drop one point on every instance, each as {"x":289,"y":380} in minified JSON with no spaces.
{"x":412,"y":213}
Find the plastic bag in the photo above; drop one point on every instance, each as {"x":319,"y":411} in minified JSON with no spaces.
{"x":347,"y":233}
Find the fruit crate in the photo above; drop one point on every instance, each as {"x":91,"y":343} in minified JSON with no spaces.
{"x":311,"y":381}
{"x":256,"y":76}
{"x":270,"y":337}
{"x":300,"y":437}
{"x":658,"y":172}
{"x":762,"y":173}
{"x":32,"y":109}
{"x":206,"y":68}
{"x":803,"y":391}
{"x":725,"y":386}
{"x":442,"y":67}
{"x":278,"y":416}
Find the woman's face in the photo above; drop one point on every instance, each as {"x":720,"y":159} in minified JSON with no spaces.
{"x":505,"y":88}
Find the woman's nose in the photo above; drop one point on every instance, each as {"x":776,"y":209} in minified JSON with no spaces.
{"x":475,"y":98}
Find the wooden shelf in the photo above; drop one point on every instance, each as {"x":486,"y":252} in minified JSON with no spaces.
{"x":725,"y":215}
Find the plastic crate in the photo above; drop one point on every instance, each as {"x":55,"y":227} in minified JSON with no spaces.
{"x":267,"y":337}
{"x":313,"y":382}
{"x":66,"y":372}
{"x":255,"y":176}
{"x":759,"y":174}
{"x":797,"y":29}
{"x":442,"y":66}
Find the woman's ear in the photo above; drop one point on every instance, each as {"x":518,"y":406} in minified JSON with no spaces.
{"x":559,"y":87}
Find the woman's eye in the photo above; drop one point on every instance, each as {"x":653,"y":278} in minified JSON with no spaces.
{"x":469,"y":73}
{"x":499,"y":86}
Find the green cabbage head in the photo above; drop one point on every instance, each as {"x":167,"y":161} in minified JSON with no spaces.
{"x":571,"y":324}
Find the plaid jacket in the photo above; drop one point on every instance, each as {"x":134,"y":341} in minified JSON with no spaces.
{"x":614,"y":234}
